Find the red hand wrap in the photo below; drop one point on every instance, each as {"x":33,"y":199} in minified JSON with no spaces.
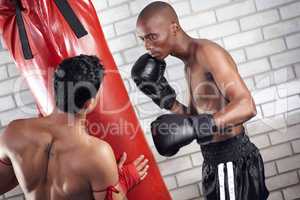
{"x":109,"y":192}
{"x":128,"y":177}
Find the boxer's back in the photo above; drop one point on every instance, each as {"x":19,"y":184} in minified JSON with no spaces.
{"x":50,"y":159}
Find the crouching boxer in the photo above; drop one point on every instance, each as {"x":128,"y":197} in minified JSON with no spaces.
{"x":54,"y":157}
{"x":218,"y":106}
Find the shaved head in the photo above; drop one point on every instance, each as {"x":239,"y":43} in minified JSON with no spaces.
{"x":158,"y":27}
{"x":159,"y":9}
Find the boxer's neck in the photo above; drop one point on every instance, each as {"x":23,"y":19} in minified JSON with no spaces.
{"x":182,"y":47}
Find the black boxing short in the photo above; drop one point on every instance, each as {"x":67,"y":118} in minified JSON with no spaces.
{"x":233,"y":170}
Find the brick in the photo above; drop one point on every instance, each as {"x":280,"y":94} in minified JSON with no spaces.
{"x":283,"y":28}
{"x":270,"y":169}
{"x":283,"y":75}
{"x":115,"y":2}
{"x":238,"y":56}
{"x":276,"y":152}
{"x":126,"y":26}
{"x":188,"y":149}
{"x":265,"y":49}
{"x":121,"y":43}
{"x":249,"y":83}
{"x":8,"y":116}
{"x":266,"y":125}
{"x":288,"y":164}
{"x":288,"y":89}
{"x":293,"y":41}
{"x":259,"y":19}
{"x":148,"y":109}
{"x":99,"y":5}
{"x":131,"y":55}
{"x":170,"y":182}
{"x":118,"y":59}
{"x":296,"y":146}
{"x":292,"y":192}
{"x":253,"y":67}
{"x":197,"y":21}
{"x":175,"y":165}
{"x":171,"y":60}
{"x":265,"y":4}
{"x":12,"y":85}
{"x":17,"y":198}
{"x":6,"y":103}
{"x":24,"y":98}
{"x":16,"y":191}
{"x":3,"y":73}
{"x":281,"y":106}
{"x":286,"y":58}
{"x":297,"y":70}
{"x":197,"y":159}
{"x":182,"y":8}
{"x":284,"y":135}
{"x":5,"y":58}
{"x":281,"y":181}
{"x":109,"y":31}
{"x":159,"y":158}
{"x":204,"y":5}
{"x":188,"y":177}
{"x":293,"y":117}
{"x":136,"y":6}
{"x":243,"y":39}
{"x":275,"y":196}
{"x":265,"y":95}
{"x":12,"y":70}
{"x":185,"y":193}
{"x":175,"y":72}
{"x":261,"y":141}
{"x":114,"y":14}
{"x":235,"y":10}
{"x":219,"y":30}
{"x":264,"y":80}
{"x":291,"y":10}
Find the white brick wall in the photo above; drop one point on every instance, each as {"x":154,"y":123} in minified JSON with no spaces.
{"x":263,"y":37}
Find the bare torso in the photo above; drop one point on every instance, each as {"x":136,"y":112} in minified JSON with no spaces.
{"x":205,"y":96}
{"x":52,"y":164}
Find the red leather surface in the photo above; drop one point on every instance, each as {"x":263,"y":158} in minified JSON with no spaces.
{"x":51,"y":40}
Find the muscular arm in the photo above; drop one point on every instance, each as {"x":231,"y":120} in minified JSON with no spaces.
{"x":7,"y":174}
{"x":104,"y":173}
{"x":241,"y":106}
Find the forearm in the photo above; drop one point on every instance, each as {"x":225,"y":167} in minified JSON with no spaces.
{"x":235,"y":113}
{"x":179,"y":108}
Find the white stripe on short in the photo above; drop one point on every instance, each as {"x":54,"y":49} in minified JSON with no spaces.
{"x":230,"y":179}
{"x":221,"y":181}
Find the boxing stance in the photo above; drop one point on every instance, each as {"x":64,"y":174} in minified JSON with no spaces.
{"x":219,"y":104}
{"x":54,"y":157}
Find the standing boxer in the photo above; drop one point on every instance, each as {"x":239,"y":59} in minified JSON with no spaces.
{"x":54,"y":157}
{"x":219,"y":104}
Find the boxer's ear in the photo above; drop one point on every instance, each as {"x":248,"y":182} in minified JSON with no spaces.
{"x":174,"y":28}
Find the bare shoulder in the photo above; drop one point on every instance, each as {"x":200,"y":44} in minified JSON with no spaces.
{"x":101,"y":165}
{"x":207,"y":47}
{"x":213,"y":56}
{"x":15,"y":135}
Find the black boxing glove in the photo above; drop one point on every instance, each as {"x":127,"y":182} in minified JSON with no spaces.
{"x":170,"y":132}
{"x":148,"y":75}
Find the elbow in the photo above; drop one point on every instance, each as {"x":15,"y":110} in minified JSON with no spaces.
{"x":251,"y":108}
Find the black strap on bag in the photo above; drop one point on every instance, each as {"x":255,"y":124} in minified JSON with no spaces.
{"x":22,"y":32}
{"x":71,"y":18}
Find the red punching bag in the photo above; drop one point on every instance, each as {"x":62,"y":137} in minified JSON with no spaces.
{"x":41,"y":33}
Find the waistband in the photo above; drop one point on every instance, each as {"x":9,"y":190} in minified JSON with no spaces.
{"x":229,"y":150}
